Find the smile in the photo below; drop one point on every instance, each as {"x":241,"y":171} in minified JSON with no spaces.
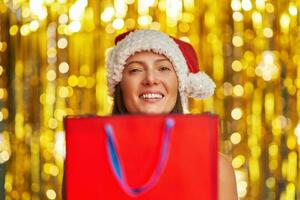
{"x":151,"y":96}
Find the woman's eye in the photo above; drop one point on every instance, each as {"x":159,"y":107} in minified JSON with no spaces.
{"x":164,"y":68}
{"x":134,"y":70}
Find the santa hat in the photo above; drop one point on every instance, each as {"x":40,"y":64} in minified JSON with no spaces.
{"x":192,"y":82}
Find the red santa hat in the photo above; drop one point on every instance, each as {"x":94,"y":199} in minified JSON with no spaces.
{"x":192,"y":82}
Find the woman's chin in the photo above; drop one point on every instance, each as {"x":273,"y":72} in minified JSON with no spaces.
{"x":151,"y":112}
{"x":158,"y":110}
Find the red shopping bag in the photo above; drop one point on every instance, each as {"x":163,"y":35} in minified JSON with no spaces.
{"x":141,"y":157}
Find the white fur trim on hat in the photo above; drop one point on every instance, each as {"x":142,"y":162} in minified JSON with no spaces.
{"x":200,"y":85}
{"x":197,"y":85}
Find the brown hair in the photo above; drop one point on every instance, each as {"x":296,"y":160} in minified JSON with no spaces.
{"x":120,"y":108}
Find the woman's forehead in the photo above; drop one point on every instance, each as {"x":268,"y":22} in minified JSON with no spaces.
{"x":146,"y":55}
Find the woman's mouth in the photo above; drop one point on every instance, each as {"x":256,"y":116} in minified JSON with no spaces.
{"x":151,"y":97}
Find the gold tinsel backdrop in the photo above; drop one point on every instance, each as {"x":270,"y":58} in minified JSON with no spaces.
{"x":52,"y":63}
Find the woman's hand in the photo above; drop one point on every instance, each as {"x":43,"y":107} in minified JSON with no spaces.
{"x":226,"y":180}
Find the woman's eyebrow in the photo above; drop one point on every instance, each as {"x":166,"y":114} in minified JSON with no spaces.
{"x":162,"y":59}
{"x":143,"y":63}
{"x":135,"y":61}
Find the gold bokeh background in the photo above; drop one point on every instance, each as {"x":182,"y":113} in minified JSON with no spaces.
{"x":52,"y":63}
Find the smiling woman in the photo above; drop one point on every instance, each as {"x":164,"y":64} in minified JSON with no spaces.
{"x":149,"y":84}
{"x":152,"y":73}
{"x":177,"y":55}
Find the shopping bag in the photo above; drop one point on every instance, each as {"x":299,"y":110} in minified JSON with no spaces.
{"x":141,"y":157}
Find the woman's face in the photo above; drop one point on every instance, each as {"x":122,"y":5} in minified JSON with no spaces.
{"x":149,"y":84}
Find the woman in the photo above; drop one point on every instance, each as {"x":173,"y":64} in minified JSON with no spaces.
{"x":152,"y":73}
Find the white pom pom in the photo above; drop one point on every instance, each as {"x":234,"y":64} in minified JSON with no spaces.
{"x":199,"y":85}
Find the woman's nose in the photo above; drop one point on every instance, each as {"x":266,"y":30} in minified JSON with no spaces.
{"x":150,"y":78}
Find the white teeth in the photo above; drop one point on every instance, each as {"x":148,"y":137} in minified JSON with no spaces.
{"x":152,"y":96}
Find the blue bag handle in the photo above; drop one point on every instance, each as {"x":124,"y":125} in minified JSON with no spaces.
{"x":117,"y":167}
